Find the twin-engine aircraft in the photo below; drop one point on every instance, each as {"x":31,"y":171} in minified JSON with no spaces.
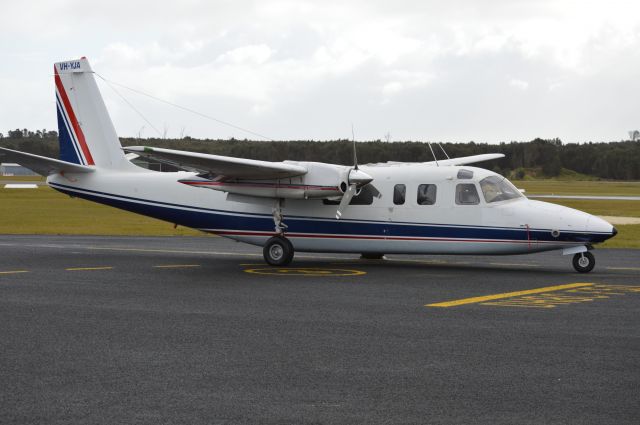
{"x":443,"y":207}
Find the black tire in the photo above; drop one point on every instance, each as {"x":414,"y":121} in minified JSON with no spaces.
{"x":584,"y":262}
{"x":278,"y":251}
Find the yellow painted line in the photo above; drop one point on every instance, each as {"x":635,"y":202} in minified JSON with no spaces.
{"x":176,"y":266}
{"x":73,"y":269}
{"x":305,"y":271}
{"x":476,"y":300}
{"x":505,"y":304}
{"x":15,"y":271}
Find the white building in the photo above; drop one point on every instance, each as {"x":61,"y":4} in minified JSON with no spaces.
{"x":11,"y":169}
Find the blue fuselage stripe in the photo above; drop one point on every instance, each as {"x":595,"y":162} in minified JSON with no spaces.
{"x":204,"y":218}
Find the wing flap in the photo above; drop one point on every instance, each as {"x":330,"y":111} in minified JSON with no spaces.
{"x":41,"y":164}
{"x":221,"y":165}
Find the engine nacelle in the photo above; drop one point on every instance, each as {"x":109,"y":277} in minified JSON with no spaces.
{"x":320,"y":182}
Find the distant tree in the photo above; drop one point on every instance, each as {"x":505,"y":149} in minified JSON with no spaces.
{"x":552,"y":167}
{"x":15,"y":134}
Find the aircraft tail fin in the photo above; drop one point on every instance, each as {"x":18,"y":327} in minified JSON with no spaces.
{"x":85,"y":131}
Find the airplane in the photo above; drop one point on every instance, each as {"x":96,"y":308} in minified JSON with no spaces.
{"x":437,"y":207}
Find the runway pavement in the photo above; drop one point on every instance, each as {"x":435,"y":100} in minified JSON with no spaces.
{"x":199,"y":330}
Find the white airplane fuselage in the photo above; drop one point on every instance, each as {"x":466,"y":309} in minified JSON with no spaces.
{"x":514,"y":226}
{"x":392,"y":208}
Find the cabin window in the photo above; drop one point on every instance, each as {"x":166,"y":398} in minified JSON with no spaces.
{"x":427,"y":194}
{"x":365,"y":197}
{"x":465,"y":174}
{"x":498,"y":188}
{"x":399,"y":192}
{"x":467,"y":194}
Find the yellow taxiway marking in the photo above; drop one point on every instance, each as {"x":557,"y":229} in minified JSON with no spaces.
{"x":305,"y":271}
{"x":581,"y":294}
{"x":15,"y":271}
{"x":476,"y":300}
{"x":176,"y":266}
{"x":73,"y":269}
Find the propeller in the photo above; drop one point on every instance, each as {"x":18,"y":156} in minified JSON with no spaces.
{"x":356,"y":180}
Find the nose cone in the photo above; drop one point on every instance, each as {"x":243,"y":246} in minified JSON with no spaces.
{"x":600,"y":229}
{"x":359,"y":177}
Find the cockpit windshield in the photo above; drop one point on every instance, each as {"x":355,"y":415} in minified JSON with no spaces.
{"x":498,"y":188}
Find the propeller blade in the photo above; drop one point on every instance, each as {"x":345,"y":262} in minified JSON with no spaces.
{"x":346,"y":198}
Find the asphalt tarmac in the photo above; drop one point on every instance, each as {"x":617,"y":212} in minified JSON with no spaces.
{"x":112,"y":330}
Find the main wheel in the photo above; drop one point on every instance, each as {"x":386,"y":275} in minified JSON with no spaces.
{"x":584,"y":262}
{"x":278,"y":251}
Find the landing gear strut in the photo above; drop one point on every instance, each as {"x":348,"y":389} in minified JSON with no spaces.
{"x":278,"y":251}
{"x":584,"y":262}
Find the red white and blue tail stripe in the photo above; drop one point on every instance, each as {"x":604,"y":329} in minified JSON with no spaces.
{"x":73,"y":145}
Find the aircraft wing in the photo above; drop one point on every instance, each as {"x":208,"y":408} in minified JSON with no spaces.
{"x":41,"y":164}
{"x":227,"y":166}
{"x":464,"y":160}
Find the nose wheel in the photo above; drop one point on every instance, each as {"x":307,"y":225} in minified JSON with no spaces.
{"x":278,"y":251}
{"x":584,"y":262}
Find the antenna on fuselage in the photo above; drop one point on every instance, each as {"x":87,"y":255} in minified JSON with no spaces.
{"x":355,"y":156}
{"x":445,"y":152}
{"x":434,"y":155}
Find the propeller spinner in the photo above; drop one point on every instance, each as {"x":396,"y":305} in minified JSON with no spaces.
{"x":356,"y":180}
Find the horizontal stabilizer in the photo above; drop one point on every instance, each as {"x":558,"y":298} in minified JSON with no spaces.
{"x":226,"y":166}
{"x":464,"y":160}
{"x":41,"y":164}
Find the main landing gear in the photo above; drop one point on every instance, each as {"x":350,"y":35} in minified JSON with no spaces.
{"x":278,"y":251}
{"x":584,"y":262}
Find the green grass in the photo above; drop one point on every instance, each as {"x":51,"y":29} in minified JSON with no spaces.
{"x":601,"y":206}
{"x":22,"y":178}
{"x":560,"y":187}
{"x":45,"y":211}
{"x":628,"y":237}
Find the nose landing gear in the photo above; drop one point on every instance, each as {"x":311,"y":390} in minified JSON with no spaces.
{"x":584,"y":262}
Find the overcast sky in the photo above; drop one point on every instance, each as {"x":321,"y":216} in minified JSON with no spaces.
{"x":451,"y":71}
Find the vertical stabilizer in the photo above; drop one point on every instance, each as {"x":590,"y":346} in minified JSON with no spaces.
{"x":85,"y":130}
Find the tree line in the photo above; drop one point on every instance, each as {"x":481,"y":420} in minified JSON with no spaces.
{"x":614,"y":160}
